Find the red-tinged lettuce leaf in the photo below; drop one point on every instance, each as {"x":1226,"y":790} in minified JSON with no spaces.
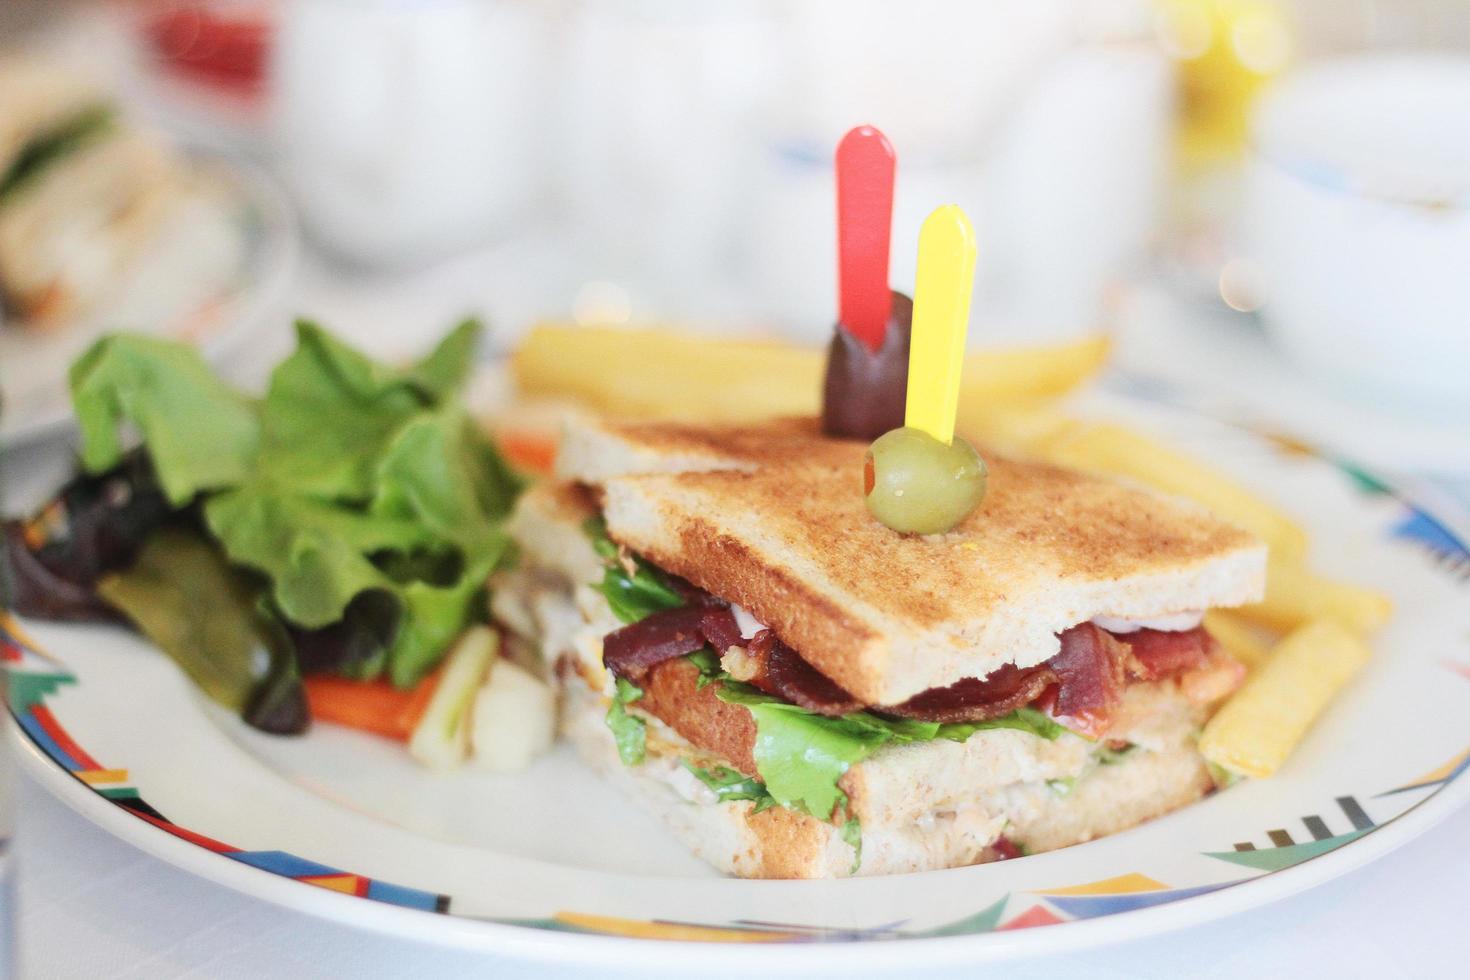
{"x":357,"y":644}
{"x":200,"y":433}
{"x":52,"y":560}
{"x":30,"y":588}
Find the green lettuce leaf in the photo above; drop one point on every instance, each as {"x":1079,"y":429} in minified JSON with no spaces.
{"x":852,"y":834}
{"x":442,"y":373}
{"x":437,"y":474}
{"x":801,"y":756}
{"x":731,"y":784}
{"x":350,"y":479}
{"x":314,"y":553}
{"x":200,"y":433}
{"x":330,"y":412}
{"x":178,"y":574}
{"x":1032,"y":720}
{"x":278,"y":703}
{"x":1224,"y":778}
{"x":632,"y":597}
{"x":629,"y":731}
{"x":433,"y":615}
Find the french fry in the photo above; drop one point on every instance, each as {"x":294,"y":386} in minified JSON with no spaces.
{"x":1238,"y":638}
{"x":1018,"y":431}
{"x":1257,"y":729}
{"x":1114,"y":450}
{"x":1020,"y":375}
{"x":1295,"y":596}
{"x":645,"y":373}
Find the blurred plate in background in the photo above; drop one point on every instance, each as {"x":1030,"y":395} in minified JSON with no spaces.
{"x":224,"y":259}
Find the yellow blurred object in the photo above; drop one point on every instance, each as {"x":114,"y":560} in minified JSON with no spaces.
{"x":1227,"y":50}
{"x":1116,"y":451}
{"x":1255,"y":731}
{"x":1019,"y":376}
{"x":651,"y":373}
{"x":1022,"y":431}
{"x":645,"y":372}
{"x":1237,"y":637}
{"x":1294,"y":596}
{"x":946,"y":275}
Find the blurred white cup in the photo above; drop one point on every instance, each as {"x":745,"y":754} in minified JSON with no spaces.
{"x":1357,"y":220}
{"x":405,"y":130}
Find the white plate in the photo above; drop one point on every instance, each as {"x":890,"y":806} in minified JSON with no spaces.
{"x":553,"y":863}
{"x":225,"y":258}
{"x":1207,"y":358}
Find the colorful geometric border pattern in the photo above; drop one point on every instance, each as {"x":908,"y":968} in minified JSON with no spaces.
{"x":34,"y":677}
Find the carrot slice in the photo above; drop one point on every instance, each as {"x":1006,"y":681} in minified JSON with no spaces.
{"x":370,"y":706}
{"x":529,"y":452}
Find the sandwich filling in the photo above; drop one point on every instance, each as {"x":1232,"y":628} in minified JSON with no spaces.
{"x":787,"y":682}
{"x":767,"y":727}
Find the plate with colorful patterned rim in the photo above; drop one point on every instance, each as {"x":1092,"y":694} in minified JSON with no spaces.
{"x":554,"y":864}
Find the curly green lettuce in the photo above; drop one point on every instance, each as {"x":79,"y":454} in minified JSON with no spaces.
{"x":349,"y":478}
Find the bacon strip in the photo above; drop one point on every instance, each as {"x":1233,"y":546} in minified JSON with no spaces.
{"x":1091,"y":672}
{"x":978,"y":698}
{"x":634,"y":650}
{"x":780,"y":671}
{"x":1084,"y":681}
{"x":1158,"y":654}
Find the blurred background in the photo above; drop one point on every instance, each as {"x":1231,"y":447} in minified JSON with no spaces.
{"x":1263,"y":202}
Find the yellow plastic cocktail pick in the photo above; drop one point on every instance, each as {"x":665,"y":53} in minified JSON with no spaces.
{"x":946,"y":276}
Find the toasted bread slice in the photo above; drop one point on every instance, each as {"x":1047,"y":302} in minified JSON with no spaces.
{"x":772,"y":518}
{"x":547,"y":525}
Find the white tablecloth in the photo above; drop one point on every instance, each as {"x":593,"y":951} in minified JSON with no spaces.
{"x":90,"y":905}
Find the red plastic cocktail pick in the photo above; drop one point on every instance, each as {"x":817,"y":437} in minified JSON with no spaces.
{"x":865,"y":164}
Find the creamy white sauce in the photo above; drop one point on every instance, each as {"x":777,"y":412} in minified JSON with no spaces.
{"x":1176,"y":623}
{"x":749,"y":625}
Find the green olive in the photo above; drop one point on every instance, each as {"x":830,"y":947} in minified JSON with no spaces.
{"x":916,"y":484}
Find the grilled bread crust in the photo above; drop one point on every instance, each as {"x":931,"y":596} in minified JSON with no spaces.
{"x":772,"y":517}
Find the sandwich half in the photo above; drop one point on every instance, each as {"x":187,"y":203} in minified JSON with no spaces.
{"x":81,"y":197}
{"x":801,"y":692}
